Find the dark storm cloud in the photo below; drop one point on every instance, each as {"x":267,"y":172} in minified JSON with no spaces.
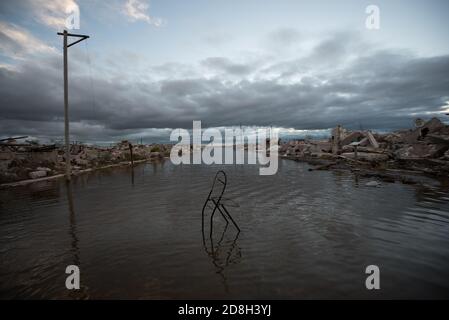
{"x":379,"y":90}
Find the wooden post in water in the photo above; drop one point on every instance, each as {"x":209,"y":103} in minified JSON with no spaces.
{"x":338,"y":139}
{"x":131,"y":154}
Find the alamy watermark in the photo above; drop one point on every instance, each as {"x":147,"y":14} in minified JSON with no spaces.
{"x":372,"y":22}
{"x":72,"y":282}
{"x":373,"y":280}
{"x":262,"y":145}
{"x":72,"y":22}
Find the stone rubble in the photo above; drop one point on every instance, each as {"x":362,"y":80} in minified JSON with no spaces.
{"x":22,"y":161}
{"x":424,"y":149}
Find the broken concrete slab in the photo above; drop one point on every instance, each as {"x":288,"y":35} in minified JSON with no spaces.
{"x":421,"y":150}
{"x":431,"y":126}
{"x":37,"y":174}
{"x":438,"y":138}
{"x":355,"y":136}
{"x":365,"y":156}
{"x":373,"y":184}
{"x":372,"y":140}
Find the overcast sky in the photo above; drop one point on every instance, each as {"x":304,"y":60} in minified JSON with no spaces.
{"x":150,"y":66}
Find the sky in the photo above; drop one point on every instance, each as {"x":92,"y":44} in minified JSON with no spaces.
{"x":152,"y":66}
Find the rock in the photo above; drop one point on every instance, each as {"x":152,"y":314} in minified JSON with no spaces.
{"x":43,"y":169}
{"x":373,"y":184}
{"x":37,"y":174}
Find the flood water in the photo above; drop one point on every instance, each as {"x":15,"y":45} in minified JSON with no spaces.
{"x":303,"y":235}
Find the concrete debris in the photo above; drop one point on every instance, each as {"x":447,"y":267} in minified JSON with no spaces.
{"x":37,"y":174}
{"x":354,"y":137}
{"x":365,"y":156}
{"x":25,"y":160}
{"x":373,"y":184}
{"x":423,"y":149}
{"x":372,"y":140}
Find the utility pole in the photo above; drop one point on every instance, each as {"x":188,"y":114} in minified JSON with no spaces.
{"x":65,"y":34}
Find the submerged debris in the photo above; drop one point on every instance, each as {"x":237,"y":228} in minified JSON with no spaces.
{"x":373,"y":184}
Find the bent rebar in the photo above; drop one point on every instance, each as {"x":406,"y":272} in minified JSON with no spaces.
{"x":220,"y":177}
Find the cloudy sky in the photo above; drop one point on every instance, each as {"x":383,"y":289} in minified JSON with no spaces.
{"x":150,"y":66}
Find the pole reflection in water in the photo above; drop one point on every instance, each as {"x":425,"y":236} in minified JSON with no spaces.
{"x":82,"y":293}
{"x":132,"y":175}
{"x":72,"y":219}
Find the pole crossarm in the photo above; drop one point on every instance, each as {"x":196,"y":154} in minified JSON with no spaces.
{"x":82,"y":36}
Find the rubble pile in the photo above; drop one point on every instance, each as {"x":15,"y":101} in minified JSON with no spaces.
{"x":424,"y":149}
{"x":29,"y":160}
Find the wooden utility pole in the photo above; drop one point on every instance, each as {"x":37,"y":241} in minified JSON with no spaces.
{"x":66,"y":112}
{"x":65,"y":34}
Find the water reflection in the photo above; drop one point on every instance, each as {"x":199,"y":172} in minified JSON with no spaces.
{"x":223,"y":253}
{"x":132,"y":175}
{"x":72,"y":231}
{"x":75,"y":250}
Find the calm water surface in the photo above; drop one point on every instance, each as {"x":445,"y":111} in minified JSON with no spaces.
{"x":304,"y":235}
